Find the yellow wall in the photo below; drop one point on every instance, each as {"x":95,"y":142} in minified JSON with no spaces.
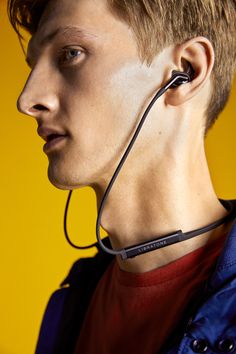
{"x":34,"y":254}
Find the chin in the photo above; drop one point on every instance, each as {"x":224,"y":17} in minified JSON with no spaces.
{"x":60,"y":183}
{"x":64,"y":181}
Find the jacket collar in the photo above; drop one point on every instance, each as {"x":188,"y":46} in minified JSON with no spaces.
{"x":226,"y":265}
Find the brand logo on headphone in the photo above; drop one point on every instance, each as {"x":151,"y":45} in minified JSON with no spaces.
{"x":152,"y":246}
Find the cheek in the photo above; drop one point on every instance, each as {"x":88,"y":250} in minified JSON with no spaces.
{"x":108,"y":79}
{"x":103,"y":105}
{"x":93,"y":102}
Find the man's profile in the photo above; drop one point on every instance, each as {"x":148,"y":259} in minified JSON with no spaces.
{"x":95,"y":66}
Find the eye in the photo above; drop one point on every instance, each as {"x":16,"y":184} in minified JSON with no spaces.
{"x":69,"y":54}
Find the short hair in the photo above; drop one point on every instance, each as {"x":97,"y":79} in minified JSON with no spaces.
{"x":160,"y":23}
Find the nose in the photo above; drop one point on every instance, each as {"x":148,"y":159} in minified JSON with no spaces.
{"x":38,"y":96}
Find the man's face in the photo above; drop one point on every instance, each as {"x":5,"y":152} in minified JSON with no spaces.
{"x":88,"y":82}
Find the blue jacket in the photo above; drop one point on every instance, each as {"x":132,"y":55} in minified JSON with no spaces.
{"x":209,"y":327}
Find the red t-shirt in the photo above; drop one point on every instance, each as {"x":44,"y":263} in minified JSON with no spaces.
{"x":135,"y":313}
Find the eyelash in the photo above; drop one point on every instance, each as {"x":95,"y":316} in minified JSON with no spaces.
{"x":65,"y":51}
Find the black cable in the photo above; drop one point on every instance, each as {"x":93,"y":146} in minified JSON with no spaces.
{"x":65,"y":228}
{"x":176,"y":79}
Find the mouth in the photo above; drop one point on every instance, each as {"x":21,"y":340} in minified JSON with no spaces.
{"x":53,"y":142}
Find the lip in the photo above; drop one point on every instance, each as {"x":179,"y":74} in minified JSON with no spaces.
{"x":54,"y":143}
{"x":44,"y":132}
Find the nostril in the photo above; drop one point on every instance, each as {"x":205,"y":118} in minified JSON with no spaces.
{"x":39,"y":107}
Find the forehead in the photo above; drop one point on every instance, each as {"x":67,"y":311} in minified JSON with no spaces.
{"x":92,"y":19}
{"x":88,"y":11}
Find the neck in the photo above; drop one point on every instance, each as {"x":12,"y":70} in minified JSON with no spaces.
{"x":153,"y":199}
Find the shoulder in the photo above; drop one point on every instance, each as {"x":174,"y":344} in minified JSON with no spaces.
{"x":87,"y":269}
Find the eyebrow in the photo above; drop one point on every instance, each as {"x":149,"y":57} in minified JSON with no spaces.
{"x":67,"y":32}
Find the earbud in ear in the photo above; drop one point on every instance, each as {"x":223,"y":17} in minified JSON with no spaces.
{"x":181,"y":77}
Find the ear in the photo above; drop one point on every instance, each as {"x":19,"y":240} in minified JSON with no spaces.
{"x":199,"y":53}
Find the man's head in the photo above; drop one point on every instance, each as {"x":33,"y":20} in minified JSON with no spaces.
{"x":96,"y":75}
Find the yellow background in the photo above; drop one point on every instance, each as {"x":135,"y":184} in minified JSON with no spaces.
{"x":35,"y":256}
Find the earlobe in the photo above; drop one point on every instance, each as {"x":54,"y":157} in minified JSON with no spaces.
{"x":195,"y":55}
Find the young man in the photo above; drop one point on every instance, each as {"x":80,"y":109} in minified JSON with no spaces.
{"x":96,"y":65}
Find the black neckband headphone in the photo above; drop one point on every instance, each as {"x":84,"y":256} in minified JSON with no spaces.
{"x":178,"y":78}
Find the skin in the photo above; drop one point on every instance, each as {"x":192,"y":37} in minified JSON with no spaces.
{"x":96,"y":91}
